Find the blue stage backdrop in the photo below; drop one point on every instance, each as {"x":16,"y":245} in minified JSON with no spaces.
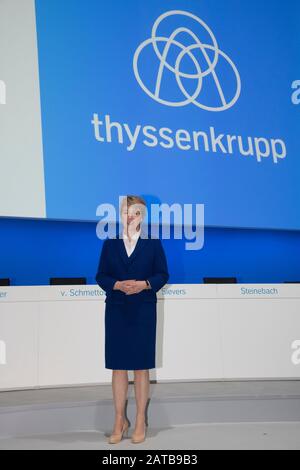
{"x":187,"y":101}
{"x":179,"y":101}
{"x":36,"y":250}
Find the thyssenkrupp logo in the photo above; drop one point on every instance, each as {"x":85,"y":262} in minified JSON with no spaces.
{"x":185,"y":53}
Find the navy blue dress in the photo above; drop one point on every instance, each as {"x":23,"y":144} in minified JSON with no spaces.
{"x":130,"y":320}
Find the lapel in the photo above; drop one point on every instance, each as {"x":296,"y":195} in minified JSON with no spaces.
{"x":140,"y":244}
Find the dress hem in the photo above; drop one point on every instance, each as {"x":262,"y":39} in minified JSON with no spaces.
{"x":130,"y":368}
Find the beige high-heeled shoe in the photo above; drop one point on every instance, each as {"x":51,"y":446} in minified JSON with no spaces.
{"x":138,"y":438}
{"x":115,"y":438}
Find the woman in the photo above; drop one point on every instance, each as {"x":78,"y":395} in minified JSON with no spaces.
{"x":132,"y":268}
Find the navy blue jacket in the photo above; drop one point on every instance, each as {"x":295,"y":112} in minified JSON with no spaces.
{"x":147,"y":261}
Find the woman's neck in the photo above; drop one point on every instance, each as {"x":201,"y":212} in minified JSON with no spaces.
{"x":130,"y":232}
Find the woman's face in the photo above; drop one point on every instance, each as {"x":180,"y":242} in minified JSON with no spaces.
{"x":131,"y":216}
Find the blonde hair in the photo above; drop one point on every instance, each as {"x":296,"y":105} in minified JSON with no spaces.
{"x":131,"y":200}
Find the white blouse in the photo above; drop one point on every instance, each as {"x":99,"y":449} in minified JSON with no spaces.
{"x":130,"y":245}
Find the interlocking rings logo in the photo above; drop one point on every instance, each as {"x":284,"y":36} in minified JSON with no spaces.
{"x":191,"y":53}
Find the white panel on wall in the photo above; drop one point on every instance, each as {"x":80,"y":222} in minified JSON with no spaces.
{"x":19,"y":344}
{"x":71,"y":343}
{"x":22,"y":189}
{"x":258,"y":336}
{"x":188,"y":340}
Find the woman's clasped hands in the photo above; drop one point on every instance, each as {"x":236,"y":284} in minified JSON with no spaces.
{"x":130,"y":286}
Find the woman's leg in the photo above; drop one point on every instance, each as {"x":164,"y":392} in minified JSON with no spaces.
{"x":120,"y":389}
{"x":141,"y":387}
